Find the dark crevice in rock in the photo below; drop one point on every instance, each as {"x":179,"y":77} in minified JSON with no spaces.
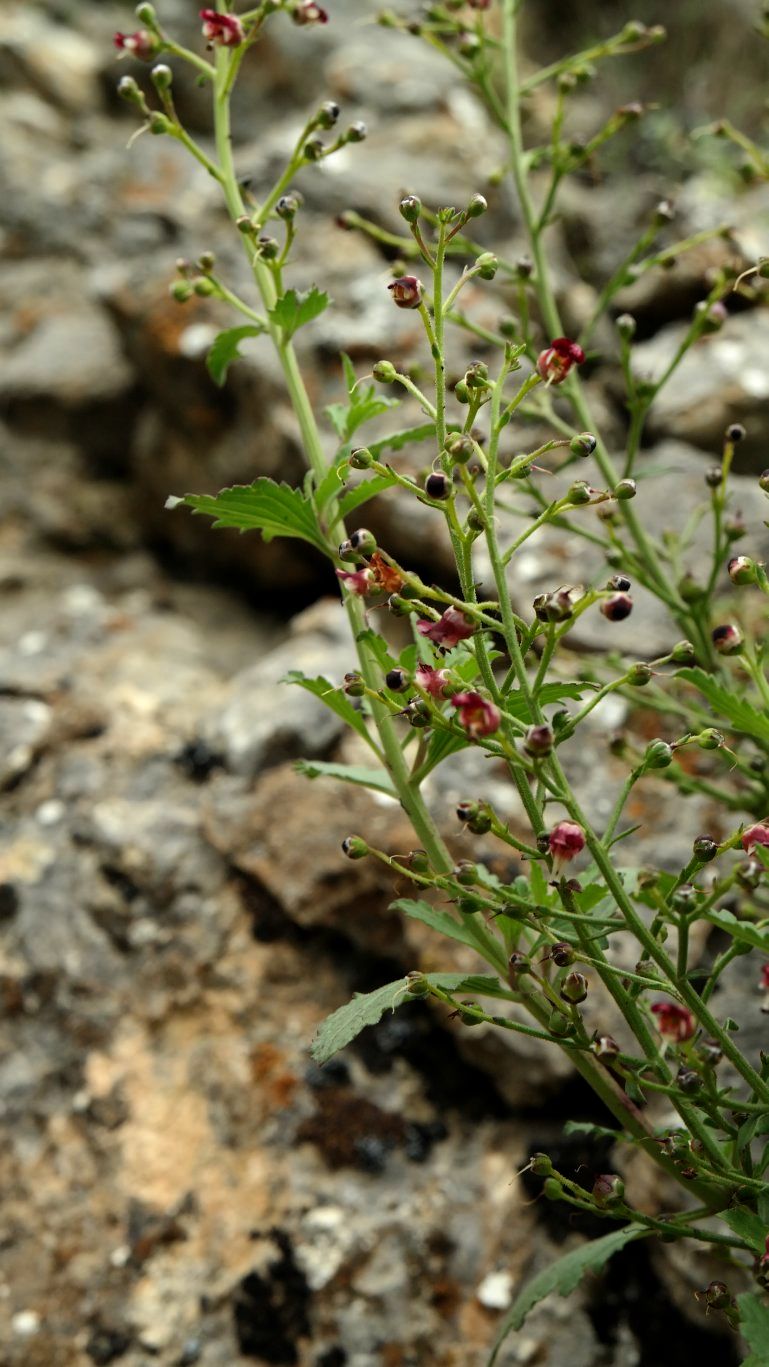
{"x":271,"y":1307}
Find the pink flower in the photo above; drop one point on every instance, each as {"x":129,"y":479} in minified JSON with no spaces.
{"x":432,"y":680}
{"x":406,"y":292}
{"x":141,"y":44}
{"x":764,"y":977}
{"x":674,"y":1022}
{"x":478,"y":716}
{"x":224,"y":29}
{"x":307,"y":12}
{"x":359,"y":582}
{"x":555,"y":362}
{"x":755,"y":835}
{"x":566,"y":841}
{"x":449,"y":630}
{"x":479,"y":4}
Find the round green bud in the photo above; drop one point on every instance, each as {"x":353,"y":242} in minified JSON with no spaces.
{"x":477,"y":206}
{"x":710,"y":739}
{"x":552,"y":1189}
{"x":683,"y":653}
{"x":162,"y":77}
{"x":361,"y":458}
{"x":639,"y":674}
{"x":625,"y":489}
{"x":384,"y":372}
{"x":541,"y":1165}
{"x":583,"y":444}
{"x":355,"y":847}
{"x":410,"y":208}
{"x":658,"y":755}
{"x":487,"y":265}
{"x":579,"y":492}
{"x":181,"y":291}
{"x":626,"y":326}
{"x":158,"y":124}
{"x":417,"y":985}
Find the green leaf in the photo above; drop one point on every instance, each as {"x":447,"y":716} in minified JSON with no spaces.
{"x":405,"y":436}
{"x":362,"y":405}
{"x":594,"y":1131}
{"x":361,"y":493}
{"x":563,"y":1276}
{"x":334,"y":698}
{"x":746,"y":1225}
{"x":745,"y":931}
{"x":344,"y":1024}
{"x":226,"y":348}
{"x":729,"y":706}
{"x":297,"y":307}
{"x":378,"y":779}
{"x":436,"y":919}
{"x":273,"y":509}
{"x":754,"y":1325}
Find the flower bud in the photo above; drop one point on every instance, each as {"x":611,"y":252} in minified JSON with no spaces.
{"x":142,"y":45}
{"x":417,"y":861}
{"x":146,"y":14}
{"x":608,"y":1189}
{"x":573,"y":989}
{"x":583,"y":444}
{"x":683,"y":653}
{"x":705,"y":848}
{"x":384,"y":372}
{"x":307,"y":12}
{"x":658,"y":755}
{"x":460,"y":447}
{"x":639,"y":674}
{"x":714,"y":477}
{"x":552,"y":1189}
{"x":716,"y":1296}
{"x":406,"y":291}
{"x":626,"y":326}
{"x":742,"y":570}
{"x":619,"y":583}
{"x":689,"y":1081}
{"x":735,"y":433}
{"x":181,"y":291}
{"x":465,"y":872}
{"x":354,"y":847}
{"x":410,"y":208}
{"x":467,"y":810}
{"x":417,"y":985}
{"x":684,"y":898}
{"x":711,"y":1052}
{"x":487,"y":265}
{"x":734,"y":527}
{"x":757,"y":834}
{"x":710,"y":739}
{"x":328,"y":114}
{"x":538,"y":741}
{"x":162,"y":77}
{"x":477,"y":206}
{"x":437,"y":485}
{"x":361,"y":458}
{"x":353,"y":685}
{"x":578,"y":493}
{"x":128,"y":89}
{"x":541,"y":1165}
{"x":625,"y":489}
{"x":617,"y":607}
{"x":481,"y":823}
{"x":727,"y":639}
{"x":562,"y":954}
{"x":357,"y":132}
{"x":363,"y":542}
{"x":288,"y":206}
{"x":605,"y":1047}
{"x":223,"y":30}
{"x":313,"y":149}
{"x":397,"y":680}
{"x":399,"y":606}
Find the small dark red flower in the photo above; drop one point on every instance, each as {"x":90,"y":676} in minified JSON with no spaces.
{"x":307,"y":12}
{"x":674,"y":1022}
{"x":224,"y":29}
{"x":449,"y":630}
{"x":141,"y":44}
{"x":359,"y":582}
{"x":555,"y":362}
{"x":755,"y":835}
{"x":478,"y":716}
{"x":566,"y":841}
{"x":432,"y":680}
{"x":406,"y":292}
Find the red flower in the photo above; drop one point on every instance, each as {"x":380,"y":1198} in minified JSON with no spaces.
{"x":224,"y":29}
{"x":557,"y":360}
{"x":449,"y":630}
{"x":141,"y":44}
{"x":478,"y":716}
{"x":406,"y":292}
{"x":566,"y":841}
{"x":432,"y":680}
{"x":755,"y":835}
{"x":307,"y":12}
{"x":764,"y":977}
{"x":674,"y":1022}
{"x":359,"y":582}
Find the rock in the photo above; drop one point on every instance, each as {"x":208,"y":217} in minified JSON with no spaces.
{"x":24,"y":728}
{"x":70,"y":360}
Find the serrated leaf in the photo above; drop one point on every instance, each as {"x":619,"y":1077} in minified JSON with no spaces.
{"x":754,"y":1325}
{"x":563,"y":1276}
{"x":264,"y":506}
{"x":225,"y":349}
{"x":297,"y":307}
{"x":334,"y":698}
{"x":594,"y":1131}
{"x":745,"y":931}
{"x":436,"y":919}
{"x":729,"y":706}
{"x":361,"y":493}
{"x":405,"y":436}
{"x":746,"y":1225}
{"x":377,"y":779}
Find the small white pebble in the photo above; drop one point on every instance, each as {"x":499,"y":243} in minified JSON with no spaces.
{"x":32,"y":643}
{"x":196,"y":339}
{"x":26,"y":1323}
{"x":50,"y":812}
{"x":496,"y":1291}
{"x":80,"y":599}
{"x":120,"y":1256}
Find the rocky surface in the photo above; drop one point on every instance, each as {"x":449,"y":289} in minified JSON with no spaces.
{"x":181,"y":1185}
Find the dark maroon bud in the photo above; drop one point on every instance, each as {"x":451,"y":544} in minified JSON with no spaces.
{"x":711,"y":1052}
{"x":417,"y":985}
{"x":617,"y":608}
{"x":689,"y":1081}
{"x":639,"y":674}
{"x":353,"y":685}
{"x":562,"y":954}
{"x":608,"y":1189}
{"x":605,"y":1047}
{"x":619,"y":583}
{"x":705,"y":848}
{"x":683,"y":653}
{"x":363,"y":541}
{"x":541,"y":1165}
{"x":437,"y":485}
{"x":538,"y":741}
{"x":735,"y":432}
{"x":465,"y":872}
{"x":625,"y":489}
{"x":716,"y":1296}
{"x":574,"y":988}
{"x":466,"y":811}
{"x":583,"y":444}
{"x":727,"y":639}
{"x":397,"y":680}
{"x":742,"y":570}
{"x":307,"y":12}
{"x":355,"y":847}
{"x":406,"y":291}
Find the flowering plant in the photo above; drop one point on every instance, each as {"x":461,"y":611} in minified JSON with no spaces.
{"x":577,"y":922}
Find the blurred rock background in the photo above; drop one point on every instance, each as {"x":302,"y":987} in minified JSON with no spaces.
{"x":180,"y":1184}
